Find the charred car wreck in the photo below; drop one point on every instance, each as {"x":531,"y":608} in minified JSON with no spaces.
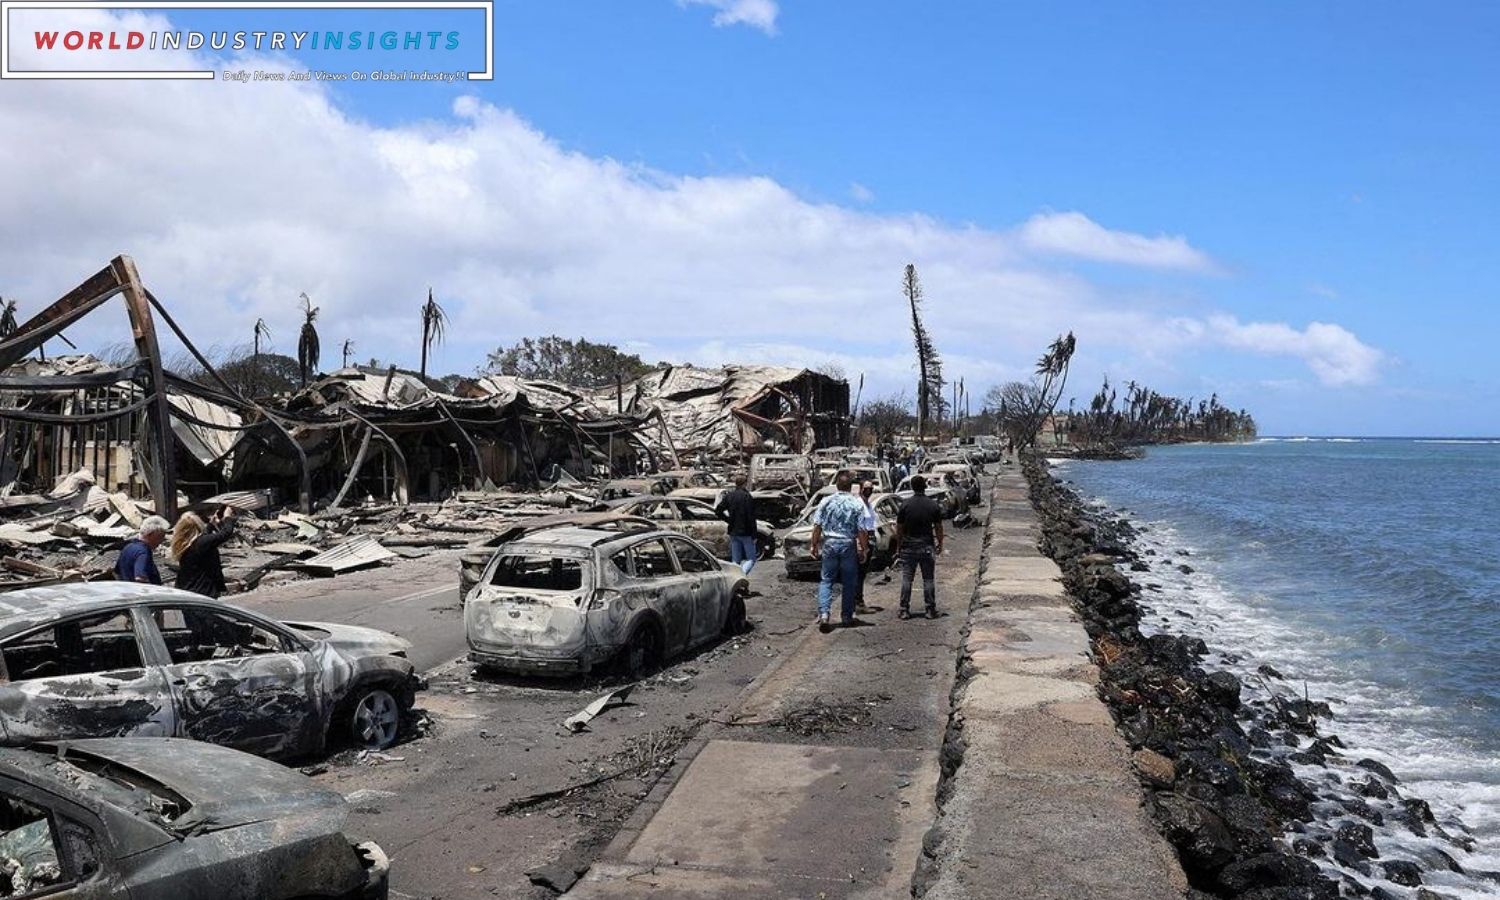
{"x":566,"y":600}
{"x":113,"y":659}
{"x":164,"y":819}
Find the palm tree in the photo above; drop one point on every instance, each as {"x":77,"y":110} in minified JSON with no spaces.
{"x":308,"y":349}
{"x":433,"y":322}
{"x":261,"y":331}
{"x":929,"y":364}
{"x":8,"y":323}
{"x":348,"y":350}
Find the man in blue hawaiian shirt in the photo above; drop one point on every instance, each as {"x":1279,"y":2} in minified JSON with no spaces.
{"x":842,"y":544}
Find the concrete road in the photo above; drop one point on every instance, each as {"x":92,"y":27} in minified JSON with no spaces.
{"x":458,"y":808}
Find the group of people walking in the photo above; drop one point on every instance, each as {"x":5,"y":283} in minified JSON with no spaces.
{"x":194,"y":548}
{"x":843,"y":529}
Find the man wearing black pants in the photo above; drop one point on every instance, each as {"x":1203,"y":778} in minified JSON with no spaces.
{"x":919,"y":537}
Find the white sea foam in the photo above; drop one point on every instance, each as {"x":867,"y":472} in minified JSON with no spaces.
{"x":1375,"y":721}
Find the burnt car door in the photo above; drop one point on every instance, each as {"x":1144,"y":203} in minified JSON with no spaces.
{"x":710,"y":593}
{"x":46,"y":851}
{"x":664,"y":589}
{"x":238,"y":681}
{"x":84,"y":676}
{"x":701,"y":523}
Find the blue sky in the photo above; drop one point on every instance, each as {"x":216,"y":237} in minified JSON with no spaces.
{"x":1316,"y":163}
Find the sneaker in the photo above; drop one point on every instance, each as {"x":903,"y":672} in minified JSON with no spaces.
{"x":932,"y":612}
{"x":823,"y":623}
{"x":904,"y":613}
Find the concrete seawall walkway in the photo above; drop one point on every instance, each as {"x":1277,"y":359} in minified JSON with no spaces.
{"x":1045,"y":804}
{"x":822,"y":782}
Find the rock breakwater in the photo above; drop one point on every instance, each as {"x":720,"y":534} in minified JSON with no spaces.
{"x":1218,"y":757}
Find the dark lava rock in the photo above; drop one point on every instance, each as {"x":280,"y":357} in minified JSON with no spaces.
{"x":1185,"y":569}
{"x":1224,"y":689}
{"x":1370,"y":788}
{"x":1379,"y":769}
{"x":1276,"y":870}
{"x":1346,"y":854}
{"x":1202,"y":839}
{"x":1416,"y":815}
{"x":1299,"y":892}
{"x":1403,"y":872}
{"x":1364,"y":811}
{"x":1139,"y":566}
{"x":1358,"y":835}
{"x":1309,"y":847}
{"x":1269,"y":671}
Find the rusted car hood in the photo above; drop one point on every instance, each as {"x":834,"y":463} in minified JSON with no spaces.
{"x":352,"y":640}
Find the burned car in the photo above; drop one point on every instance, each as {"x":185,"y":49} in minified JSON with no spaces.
{"x":568,"y":600}
{"x":165,"y":819}
{"x":960,"y":476}
{"x":113,"y":659}
{"x":692,"y":518}
{"x":474,"y":560}
{"x":620,"y":488}
{"x":797,"y":542}
{"x":952,"y":500}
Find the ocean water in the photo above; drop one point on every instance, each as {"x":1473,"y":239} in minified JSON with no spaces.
{"x":1367,"y":571}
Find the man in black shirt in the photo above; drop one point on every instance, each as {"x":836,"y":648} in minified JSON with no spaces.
{"x":738,"y":509}
{"x":919,"y":537}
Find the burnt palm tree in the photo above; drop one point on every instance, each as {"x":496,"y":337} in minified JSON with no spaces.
{"x":434,"y":321}
{"x":261,"y":331}
{"x":308,"y":348}
{"x":929,"y":364}
{"x":348,"y":350}
{"x":8,"y":323}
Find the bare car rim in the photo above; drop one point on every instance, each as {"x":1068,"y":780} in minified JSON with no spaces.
{"x":377,"y":719}
{"x":734,"y":622}
{"x":643,"y":653}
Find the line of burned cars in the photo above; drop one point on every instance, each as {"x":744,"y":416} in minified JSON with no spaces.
{"x":99,"y":798}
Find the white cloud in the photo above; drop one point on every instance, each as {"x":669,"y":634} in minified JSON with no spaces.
{"x":755,"y":13}
{"x":233,"y":198}
{"x":1075,"y":234}
{"x":1332,"y":352}
{"x":860,"y":194}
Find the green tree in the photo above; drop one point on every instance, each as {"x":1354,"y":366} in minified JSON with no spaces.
{"x":581,"y":363}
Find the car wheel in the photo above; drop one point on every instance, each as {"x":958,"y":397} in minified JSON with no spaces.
{"x":735,"y":621}
{"x":642,"y":654}
{"x":374,"y":719}
{"x":765,"y":547}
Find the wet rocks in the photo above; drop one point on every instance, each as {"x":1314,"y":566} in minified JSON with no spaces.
{"x":1402,"y":872}
{"x":1223,"y":810}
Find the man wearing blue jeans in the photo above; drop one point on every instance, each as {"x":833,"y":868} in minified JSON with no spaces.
{"x":737,"y":508}
{"x":842,"y":545}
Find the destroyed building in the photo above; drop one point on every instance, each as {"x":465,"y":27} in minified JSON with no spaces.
{"x":88,"y":447}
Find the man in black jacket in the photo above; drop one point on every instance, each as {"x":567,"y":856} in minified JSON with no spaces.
{"x":738,"y":509}
{"x":919,"y":537}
